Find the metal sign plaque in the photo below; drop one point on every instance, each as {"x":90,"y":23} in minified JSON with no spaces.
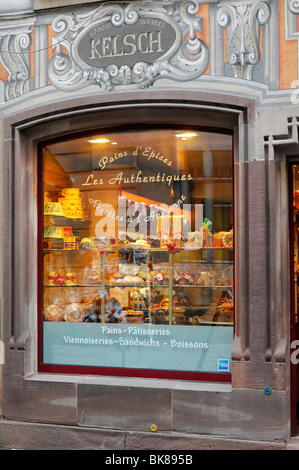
{"x":136,"y":43}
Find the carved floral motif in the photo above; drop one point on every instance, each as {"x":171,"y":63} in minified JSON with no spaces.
{"x":14,"y":54}
{"x":243,"y":20}
{"x":185,"y":59}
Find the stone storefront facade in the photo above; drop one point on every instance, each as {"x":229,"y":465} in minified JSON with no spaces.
{"x":224,"y":65}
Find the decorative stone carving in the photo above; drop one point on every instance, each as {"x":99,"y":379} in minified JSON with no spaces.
{"x":293,"y":6}
{"x":14,"y":54}
{"x":137,"y":43}
{"x":243,"y":20}
{"x":291,"y":9}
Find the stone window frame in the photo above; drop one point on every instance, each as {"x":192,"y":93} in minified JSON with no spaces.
{"x":24,"y":131}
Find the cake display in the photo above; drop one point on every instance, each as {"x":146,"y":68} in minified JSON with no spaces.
{"x":71,"y":193}
{"x":53,"y":232}
{"x":54,"y":208}
{"x":71,"y":203}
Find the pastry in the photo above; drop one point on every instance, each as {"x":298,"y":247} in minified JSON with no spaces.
{"x":132,"y":280}
{"x":131,"y":316}
{"x":219,"y":239}
{"x":144,"y":274}
{"x":92,"y":275}
{"x":228,"y":239}
{"x":141,"y":243}
{"x":53,"y":313}
{"x":74,"y":313}
{"x":131,"y":269}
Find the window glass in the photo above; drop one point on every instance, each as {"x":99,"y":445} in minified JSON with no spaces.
{"x":137,"y":262}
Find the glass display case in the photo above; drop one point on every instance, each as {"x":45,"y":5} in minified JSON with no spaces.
{"x":137,"y":262}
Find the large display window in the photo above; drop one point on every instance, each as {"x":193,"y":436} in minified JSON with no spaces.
{"x":136,"y":254}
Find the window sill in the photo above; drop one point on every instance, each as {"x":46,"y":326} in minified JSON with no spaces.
{"x":131,"y":382}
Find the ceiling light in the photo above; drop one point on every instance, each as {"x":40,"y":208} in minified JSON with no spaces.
{"x":99,"y":141}
{"x":187,"y":134}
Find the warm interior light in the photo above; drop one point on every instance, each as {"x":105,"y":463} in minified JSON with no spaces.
{"x":99,"y":141}
{"x":187,"y":134}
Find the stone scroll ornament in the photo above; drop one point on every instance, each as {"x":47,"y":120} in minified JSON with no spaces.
{"x":243,"y":20}
{"x":119,"y":45}
{"x":293,"y":6}
{"x":14,"y":54}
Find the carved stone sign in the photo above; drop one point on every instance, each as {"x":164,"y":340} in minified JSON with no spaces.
{"x":148,"y":39}
{"x":136,"y":43}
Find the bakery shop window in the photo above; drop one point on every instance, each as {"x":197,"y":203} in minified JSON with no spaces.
{"x":136,"y":270}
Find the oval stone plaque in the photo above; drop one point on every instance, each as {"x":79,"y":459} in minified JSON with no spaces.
{"x":147,"y":40}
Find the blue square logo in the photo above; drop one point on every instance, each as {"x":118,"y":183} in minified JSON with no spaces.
{"x":223,"y":365}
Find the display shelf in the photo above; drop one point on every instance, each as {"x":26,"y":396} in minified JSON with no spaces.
{"x":215,"y":323}
{"x":140,"y":286}
{"x":64,"y":250}
{"x":114,"y":249}
{"x":120,"y":253}
{"x":62,"y":220}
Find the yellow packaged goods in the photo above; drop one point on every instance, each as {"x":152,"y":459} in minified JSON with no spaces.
{"x":71,"y":193}
{"x":51,"y":278}
{"x":54,"y":208}
{"x":71,"y":203}
{"x":47,"y":197}
{"x":70,"y":279}
{"x":53,"y":232}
